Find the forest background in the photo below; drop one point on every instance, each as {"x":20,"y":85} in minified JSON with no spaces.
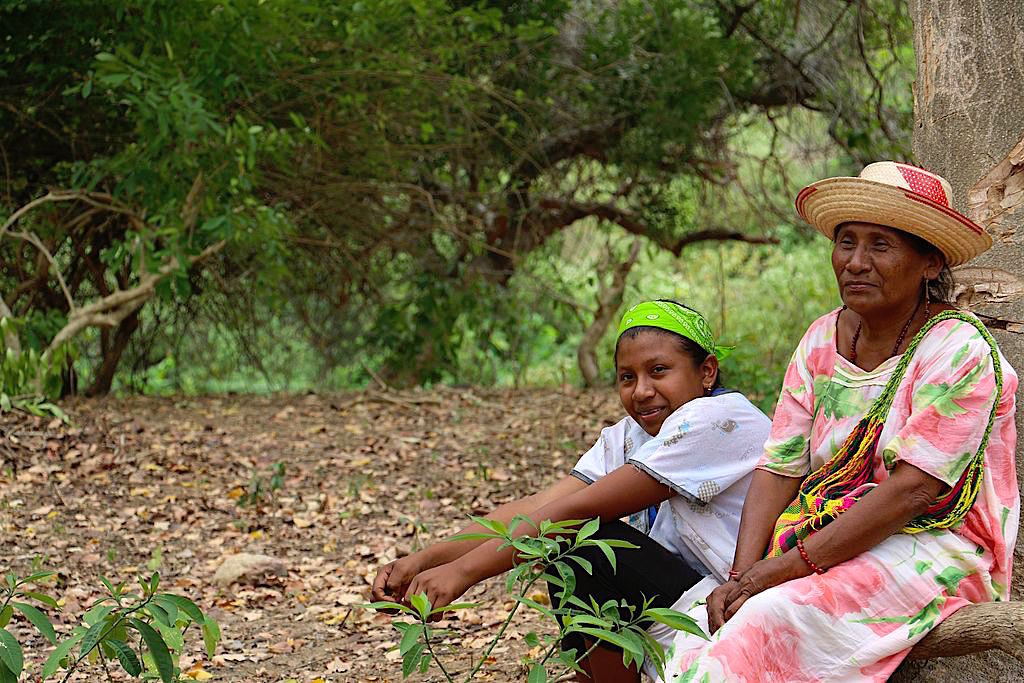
{"x":343,"y":271}
{"x":252,"y":197}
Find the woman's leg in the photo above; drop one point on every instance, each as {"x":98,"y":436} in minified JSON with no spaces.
{"x":650,"y":571}
{"x":856,"y":622}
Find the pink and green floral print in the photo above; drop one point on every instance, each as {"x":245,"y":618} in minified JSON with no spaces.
{"x":857,"y":621}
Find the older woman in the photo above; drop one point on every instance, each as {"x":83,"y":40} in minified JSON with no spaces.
{"x":886,"y":498}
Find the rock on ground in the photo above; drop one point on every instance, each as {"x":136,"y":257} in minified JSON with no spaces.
{"x":249,"y":567}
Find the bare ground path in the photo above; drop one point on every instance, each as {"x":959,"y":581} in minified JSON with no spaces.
{"x":139,"y":483}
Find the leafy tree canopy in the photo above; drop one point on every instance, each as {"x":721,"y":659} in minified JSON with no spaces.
{"x":371,"y":176}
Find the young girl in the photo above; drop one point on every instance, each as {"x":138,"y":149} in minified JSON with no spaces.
{"x":678,"y":466}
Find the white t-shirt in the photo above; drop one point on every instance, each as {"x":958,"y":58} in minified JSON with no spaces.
{"x":706,"y":452}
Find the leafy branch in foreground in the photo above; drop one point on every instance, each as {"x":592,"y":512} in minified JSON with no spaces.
{"x":144,"y":632}
{"x":549,"y":556}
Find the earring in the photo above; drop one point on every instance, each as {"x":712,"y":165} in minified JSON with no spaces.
{"x":927,"y":300}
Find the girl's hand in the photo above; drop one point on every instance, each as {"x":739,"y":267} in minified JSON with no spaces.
{"x":763,"y":575}
{"x":392,"y":580}
{"x":443,"y":585}
{"x":717,"y":602}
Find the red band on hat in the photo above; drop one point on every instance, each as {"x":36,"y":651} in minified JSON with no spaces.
{"x":944,"y":209}
{"x":801,"y":197}
{"x":924,"y":184}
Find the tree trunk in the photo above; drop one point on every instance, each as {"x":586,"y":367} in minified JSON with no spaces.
{"x":969,"y":128}
{"x":9,"y":340}
{"x":609,"y":299}
{"x":112,"y":356}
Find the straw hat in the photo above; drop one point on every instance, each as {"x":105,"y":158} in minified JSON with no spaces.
{"x":898,"y":196}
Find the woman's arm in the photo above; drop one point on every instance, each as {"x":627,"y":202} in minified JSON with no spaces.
{"x":623,"y":491}
{"x":885,"y":510}
{"x":906,"y":494}
{"x":393,"y":579}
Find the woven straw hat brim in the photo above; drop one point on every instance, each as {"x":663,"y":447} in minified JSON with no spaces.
{"x":827,"y":203}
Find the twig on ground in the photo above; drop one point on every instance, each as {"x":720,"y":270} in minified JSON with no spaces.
{"x":375,"y":376}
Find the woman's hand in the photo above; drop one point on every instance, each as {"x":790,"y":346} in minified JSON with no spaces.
{"x":393,"y":579}
{"x":763,"y":575}
{"x":443,"y":585}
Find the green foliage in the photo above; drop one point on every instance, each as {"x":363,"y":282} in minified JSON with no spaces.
{"x":27,"y":382}
{"x":395,"y":192}
{"x":178,"y":178}
{"x":549,"y":556}
{"x":159,"y":619}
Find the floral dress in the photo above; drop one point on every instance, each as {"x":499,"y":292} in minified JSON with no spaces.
{"x":857,"y":621}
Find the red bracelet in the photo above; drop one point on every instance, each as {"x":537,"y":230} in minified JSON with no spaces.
{"x":810,"y":563}
{"x":734,"y":575}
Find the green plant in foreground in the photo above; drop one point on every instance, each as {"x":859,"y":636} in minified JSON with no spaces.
{"x":14,"y":591}
{"x":549,"y":557}
{"x":144,"y":632}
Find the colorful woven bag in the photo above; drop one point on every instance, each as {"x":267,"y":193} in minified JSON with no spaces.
{"x":833,"y":488}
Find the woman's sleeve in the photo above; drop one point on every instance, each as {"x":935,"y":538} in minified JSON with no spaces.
{"x":787,"y":451}
{"x":954,"y":389}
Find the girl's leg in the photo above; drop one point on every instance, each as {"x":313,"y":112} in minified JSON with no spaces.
{"x":650,"y":571}
{"x":604,"y":665}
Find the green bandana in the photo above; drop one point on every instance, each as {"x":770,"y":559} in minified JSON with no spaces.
{"x":674,"y":318}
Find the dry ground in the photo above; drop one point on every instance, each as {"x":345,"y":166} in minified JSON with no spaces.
{"x":140,"y":483}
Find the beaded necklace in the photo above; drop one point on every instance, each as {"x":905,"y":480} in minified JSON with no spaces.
{"x":899,"y":340}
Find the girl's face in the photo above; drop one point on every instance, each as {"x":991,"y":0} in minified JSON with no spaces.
{"x":655,"y":377}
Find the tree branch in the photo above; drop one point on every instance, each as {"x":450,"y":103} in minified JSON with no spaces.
{"x":976,"y":628}
{"x":778,"y":92}
{"x":34,"y":240}
{"x":589,"y":141}
{"x":609,"y":299}
{"x":97,"y":199}
{"x":717,"y":235}
{"x":115,"y":307}
{"x":561,"y":213}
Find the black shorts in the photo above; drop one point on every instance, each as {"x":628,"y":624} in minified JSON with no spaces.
{"x":650,"y":571}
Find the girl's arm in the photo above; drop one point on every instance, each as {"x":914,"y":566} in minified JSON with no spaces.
{"x":768,"y":496}
{"x":623,"y":491}
{"x":393,"y":579}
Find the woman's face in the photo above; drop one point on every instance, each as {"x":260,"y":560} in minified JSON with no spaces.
{"x":878,"y":269}
{"x":655,"y":377}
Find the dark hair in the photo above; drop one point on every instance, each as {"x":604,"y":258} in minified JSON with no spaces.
{"x":941,"y":288}
{"x":697,"y":353}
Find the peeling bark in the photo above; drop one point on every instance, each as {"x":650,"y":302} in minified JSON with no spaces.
{"x":976,"y":286}
{"x":996,"y":197}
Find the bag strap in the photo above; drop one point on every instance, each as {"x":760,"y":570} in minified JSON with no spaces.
{"x":880,"y":407}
